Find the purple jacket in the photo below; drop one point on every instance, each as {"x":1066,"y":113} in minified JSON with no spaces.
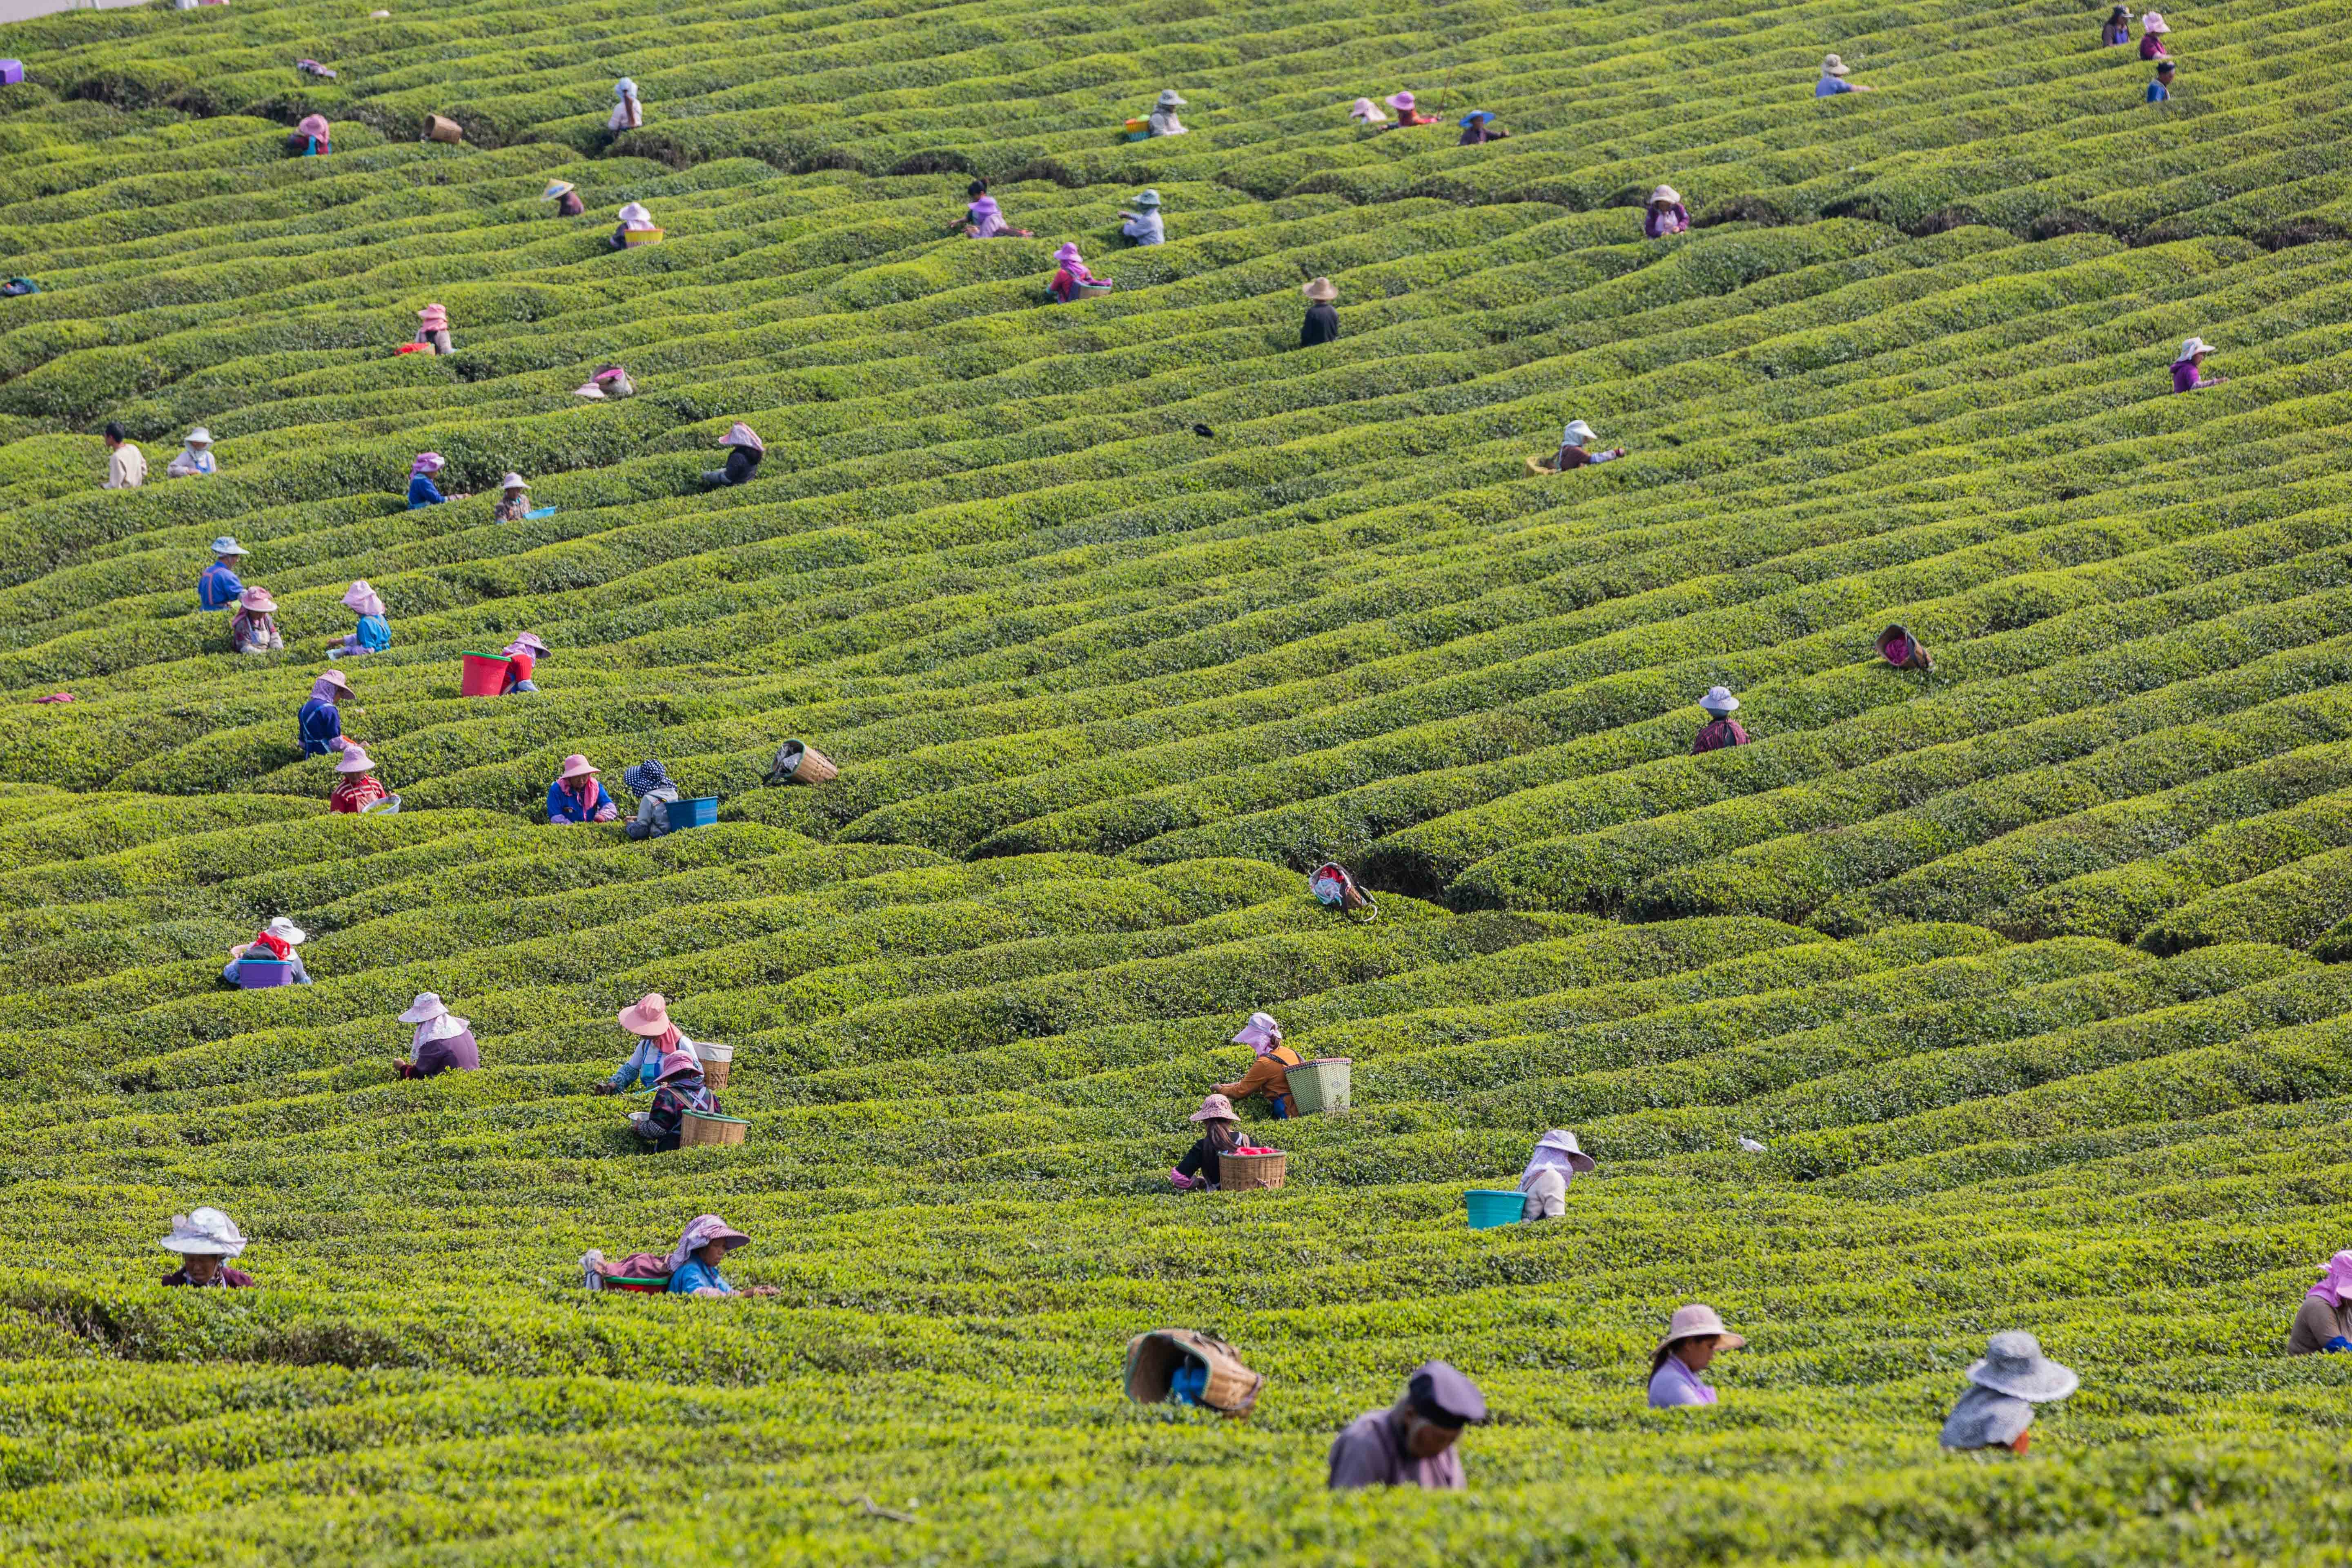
{"x":1676,"y":1384}
{"x":2184,"y":376}
{"x":1674,"y":220}
{"x":1369,"y":1453}
{"x":456,"y":1053}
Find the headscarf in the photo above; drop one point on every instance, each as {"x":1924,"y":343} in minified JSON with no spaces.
{"x":1260,"y":1033}
{"x":646,"y":775}
{"x":426,"y":463}
{"x":327,"y":689}
{"x":741,"y":435}
{"x":2335,"y":1281}
{"x":434,"y":318}
{"x":624,"y":88}
{"x":1550,"y":1156}
{"x":277,"y":946}
{"x":313,"y":126}
{"x":700,"y":1231}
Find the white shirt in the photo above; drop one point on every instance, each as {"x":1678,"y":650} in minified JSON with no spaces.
{"x":126,"y":468}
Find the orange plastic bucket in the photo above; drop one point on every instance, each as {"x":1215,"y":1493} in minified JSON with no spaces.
{"x":484,"y":675}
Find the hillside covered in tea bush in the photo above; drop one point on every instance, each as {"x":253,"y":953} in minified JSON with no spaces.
{"x":2025,"y":973}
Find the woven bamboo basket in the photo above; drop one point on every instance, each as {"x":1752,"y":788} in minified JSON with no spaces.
{"x":800,"y":763}
{"x":697,"y":1130}
{"x":1251,"y":1173}
{"x":1152,"y":1360}
{"x":439,"y":128}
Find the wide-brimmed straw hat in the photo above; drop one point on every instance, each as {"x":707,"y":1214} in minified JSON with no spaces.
{"x":1399,"y":100}
{"x":286,"y":931}
{"x":1577,"y":434}
{"x":1168,"y":100}
{"x":556,"y":189}
{"x":1691,"y":1323}
{"x":1365,"y":109}
{"x":428,"y":1007}
{"x":647,"y":1016}
{"x":1720,"y":700}
{"x":1832,"y":66}
{"x":678,"y":1064}
{"x":2013,"y":1364}
{"x":1148,"y":199}
{"x":337,"y":679}
{"x":353,"y":760}
{"x":514,"y":482}
{"x":1215,"y":1108}
{"x":199,"y":437}
{"x":1665,"y":194}
{"x":2193,"y":348}
{"x":225,"y":545}
{"x":205,"y":1233}
{"x":1565,"y":1141}
{"x":576,"y":766}
{"x":258,"y":600}
{"x":2154,"y":23}
{"x":1322,"y":291}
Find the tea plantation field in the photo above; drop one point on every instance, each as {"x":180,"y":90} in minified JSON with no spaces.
{"x":2026,"y":975}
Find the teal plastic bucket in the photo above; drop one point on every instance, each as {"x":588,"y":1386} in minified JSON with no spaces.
{"x":1489,"y":1208}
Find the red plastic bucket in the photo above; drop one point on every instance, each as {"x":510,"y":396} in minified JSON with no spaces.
{"x":484,"y":675}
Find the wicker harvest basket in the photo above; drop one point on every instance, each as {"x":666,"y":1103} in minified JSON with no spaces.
{"x":438,"y":129}
{"x":1251,"y":1173}
{"x":1152,"y":1360}
{"x":698,"y":1130}
{"x":799,"y":763}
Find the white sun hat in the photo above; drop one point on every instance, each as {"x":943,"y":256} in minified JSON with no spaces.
{"x":2154,"y":23}
{"x":428,"y":1007}
{"x":1832,"y":66}
{"x":1720,"y":700}
{"x":206,"y":1232}
{"x":1577,"y":434}
{"x":2193,"y":348}
{"x":1665,"y":194}
{"x":199,"y":437}
{"x":286,"y":932}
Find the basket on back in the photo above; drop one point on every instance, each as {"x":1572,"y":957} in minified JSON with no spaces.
{"x":800,"y":763}
{"x":696,"y":1130}
{"x":1154,"y":1359}
{"x":1904,"y":651}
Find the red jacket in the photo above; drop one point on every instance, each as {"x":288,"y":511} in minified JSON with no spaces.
{"x":1720,"y":733}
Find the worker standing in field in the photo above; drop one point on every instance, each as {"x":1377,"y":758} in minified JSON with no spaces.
{"x":744,"y":450}
{"x":1143,"y":225}
{"x":577,"y":797}
{"x":1265,"y":1075}
{"x":1069,"y":273}
{"x":1576,"y":448}
{"x":443,"y":1042}
{"x":1557,"y":1160}
{"x":1478,"y":127}
{"x":2160,"y":89}
{"x":318,"y":727}
{"x":1665,"y":213}
{"x":126,"y":465}
{"x":1693,"y":1336}
{"x":1322,"y":323}
{"x":2116,"y":31}
{"x":195,"y":459}
{"x":514,"y":499}
{"x":433,"y":330}
{"x":2152,"y":28}
{"x":373,"y":634}
{"x":1163,"y":121}
{"x":649,"y":1019}
{"x":218,"y":586}
{"x":2188,"y":367}
{"x":1721,"y":728}
{"x":521,"y":655}
{"x":566,"y":198}
{"x":254,"y":627}
{"x":356,"y":786}
{"x":1408,"y":113}
{"x":1412,"y":1443}
{"x":422,"y":490}
{"x":2003,"y":1388}
{"x":205,"y":1241}
{"x":2323,"y":1323}
{"x":628,"y":115}
{"x":1833,"y":79}
{"x":634,"y":219}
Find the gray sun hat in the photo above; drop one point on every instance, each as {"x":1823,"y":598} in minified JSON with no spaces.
{"x":225,"y":545}
{"x":206,"y":1232}
{"x":2013,"y":1364}
{"x":1148,"y":199}
{"x":1720,"y":700}
{"x":1984,"y":1419}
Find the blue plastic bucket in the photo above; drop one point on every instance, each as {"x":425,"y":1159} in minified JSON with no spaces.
{"x":694,"y":811}
{"x":1489,"y":1208}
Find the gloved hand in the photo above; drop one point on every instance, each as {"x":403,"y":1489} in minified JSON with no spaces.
{"x":2338,"y":1343}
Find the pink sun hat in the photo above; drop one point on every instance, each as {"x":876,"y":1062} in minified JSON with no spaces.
{"x":575,"y":766}
{"x":1399,"y":100}
{"x":258,"y":600}
{"x":435,"y":317}
{"x":361,"y":597}
{"x":1216,"y":1108}
{"x":647,"y":1016}
{"x":353,"y":760}
{"x":1069,"y":251}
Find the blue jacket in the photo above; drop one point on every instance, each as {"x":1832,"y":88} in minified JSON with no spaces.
{"x":374,"y":634}
{"x":562,"y":805}
{"x":694,"y":1276}
{"x":318,"y":725}
{"x":423,"y":491}
{"x":218,"y":589}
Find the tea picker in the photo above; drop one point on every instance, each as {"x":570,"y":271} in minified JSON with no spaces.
{"x":206,"y":1240}
{"x":1265,"y":1075}
{"x":577,"y":796}
{"x":520,"y":657}
{"x":1071,"y":280}
{"x":744,"y":450}
{"x":2116,"y":31}
{"x":2013,"y":1377}
{"x":678,"y":1089}
{"x":609,"y":381}
{"x":1692,"y":1338}
{"x":1721,"y":728}
{"x":1412,"y":1443}
{"x":270,"y":959}
{"x":2152,"y":28}
{"x":195,"y":459}
{"x":1834,"y":72}
{"x":1556,"y":1162}
{"x":1408,"y":113}
{"x":1576,"y":449}
{"x":1322,"y":323}
{"x":637,"y":228}
{"x":254,"y":627}
{"x":216,"y":585}
{"x":2160,"y":91}
{"x":983,"y":219}
{"x":357,"y":790}
{"x":655,"y":794}
{"x":566,"y":198}
{"x":309,"y":138}
{"x":422,"y":490}
{"x":1335,"y":890}
{"x":690,"y":1269}
{"x":1366,"y":115}
{"x":1478,"y":126}
{"x":319,"y":724}
{"x":1143,"y":226}
{"x":649,"y":1019}
{"x":628,"y":115}
{"x":2188,"y":367}
{"x":1665,"y":214}
{"x":514,"y":499}
{"x":443,"y":1042}
{"x":2323,"y":1324}
{"x":433,"y":330}
{"x":1221,"y":1134}
{"x":1898,"y":647}
{"x":126,"y":465}
{"x":373,"y":634}
{"x":1163,"y":120}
